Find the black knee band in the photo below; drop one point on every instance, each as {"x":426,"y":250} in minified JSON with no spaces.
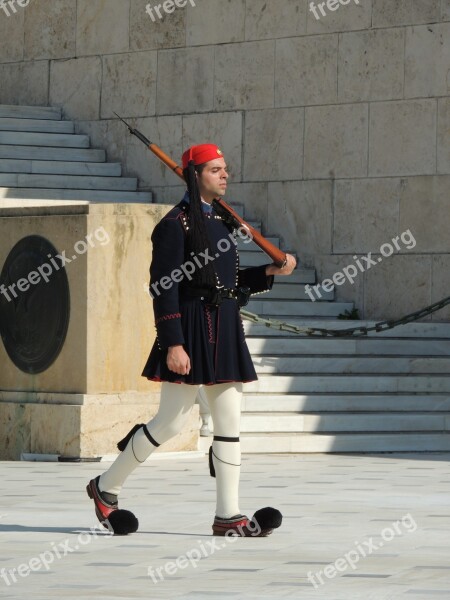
{"x":220,"y":438}
{"x":150,"y":438}
{"x":123,"y":443}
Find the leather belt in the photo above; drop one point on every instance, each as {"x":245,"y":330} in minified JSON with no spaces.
{"x":215,"y":296}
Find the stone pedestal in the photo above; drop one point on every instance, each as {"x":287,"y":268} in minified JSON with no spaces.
{"x":93,"y":393}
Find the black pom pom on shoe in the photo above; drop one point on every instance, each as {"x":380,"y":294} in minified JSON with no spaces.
{"x":123,"y":443}
{"x":122,"y":522}
{"x":267,"y":518}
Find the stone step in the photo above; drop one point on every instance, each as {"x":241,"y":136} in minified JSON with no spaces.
{"x":295,"y":291}
{"x":284,"y":364}
{"x":288,"y":308}
{"x":344,"y":442}
{"x":299,"y":276}
{"x":255,"y":224}
{"x":89,"y":195}
{"x":250,"y":246}
{"x":52,"y":154}
{"x":29,"y":112}
{"x":345,"y":422}
{"x":419,"y":384}
{"x":70,"y":182}
{"x":37,"y":125}
{"x":352,"y":346}
{"x":254,"y":259}
{"x":60,"y":140}
{"x":344,"y":402}
{"x":100,"y":169}
{"x":423,"y":329}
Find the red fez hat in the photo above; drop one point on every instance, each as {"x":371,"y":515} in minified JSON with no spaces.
{"x":201,"y":154}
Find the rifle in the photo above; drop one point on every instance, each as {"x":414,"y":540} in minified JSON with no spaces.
{"x":221,"y":207}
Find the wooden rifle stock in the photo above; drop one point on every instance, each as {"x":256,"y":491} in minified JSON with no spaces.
{"x":221,"y":207}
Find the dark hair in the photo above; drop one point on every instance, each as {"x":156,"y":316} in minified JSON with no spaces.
{"x":197,"y":236}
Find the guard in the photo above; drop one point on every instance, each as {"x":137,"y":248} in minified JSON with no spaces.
{"x":197,"y":288}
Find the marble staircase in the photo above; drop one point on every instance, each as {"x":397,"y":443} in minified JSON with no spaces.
{"x":41,"y":158}
{"x":387,"y":392}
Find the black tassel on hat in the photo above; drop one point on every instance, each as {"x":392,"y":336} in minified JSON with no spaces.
{"x":197,"y":239}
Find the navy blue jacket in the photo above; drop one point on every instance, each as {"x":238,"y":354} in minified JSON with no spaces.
{"x":212,"y":336}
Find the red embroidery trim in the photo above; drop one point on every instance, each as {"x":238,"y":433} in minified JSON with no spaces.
{"x":209,"y":323}
{"x":168,"y":317}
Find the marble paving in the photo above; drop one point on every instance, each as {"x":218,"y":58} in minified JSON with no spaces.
{"x":372,"y":527}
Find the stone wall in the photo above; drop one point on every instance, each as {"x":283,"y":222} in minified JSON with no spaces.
{"x":336,"y":128}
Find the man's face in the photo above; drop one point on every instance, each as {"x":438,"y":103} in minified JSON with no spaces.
{"x":213,"y":180}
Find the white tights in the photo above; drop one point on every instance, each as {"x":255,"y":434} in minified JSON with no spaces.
{"x":176,"y":402}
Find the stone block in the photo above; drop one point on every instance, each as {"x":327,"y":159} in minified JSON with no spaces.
{"x":24,"y":83}
{"x":405,"y":282}
{"x":108,"y":134}
{"x":273,"y":144}
{"x":365,"y":214}
{"x":166,"y":132}
{"x":349,"y":290}
{"x":189,"y":88}
{"x":427,"y":58}
{"x":336,"y":141}
{"x":99,"y":435}
{"x":244,"y":76}
{"x":403,"y":138}
{"x":15,"y":435}
{"x":129,"y":84}
{"x":445,"y":10}
{"x":405,"y":12}
{"x":346,"y":18}
{"x":270,"y":20}
{"x":82,"y":431}
{"x":11,"y":34}
{"x":223,"y":129}
{"x":425,"y":210}
{"x":110,"y":330}
{"x":254,"y":197}
{"x":371,"y":65}
{"x":145,"y":34}
{"x":215,"y":22}
{"x":440,"y":284}
{"x":50,"y":29}
{"x":301,"y":212}
{"x":170,"y":195}
{"x":102,"y":26}
{"x":75,"y":85}
{"x":306,"y":71}
{"x":443,"y":141}
{"x":55,"y":429}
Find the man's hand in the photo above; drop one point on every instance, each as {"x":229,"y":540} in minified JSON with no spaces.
{"x":291,"y":263}
{"x":178,"y":360}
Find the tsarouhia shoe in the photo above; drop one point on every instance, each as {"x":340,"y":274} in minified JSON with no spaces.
{"x":263,"y":522}
{"x":121,"y":522}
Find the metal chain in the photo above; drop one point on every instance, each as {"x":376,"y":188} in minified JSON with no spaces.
{"x":353,"y":331}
